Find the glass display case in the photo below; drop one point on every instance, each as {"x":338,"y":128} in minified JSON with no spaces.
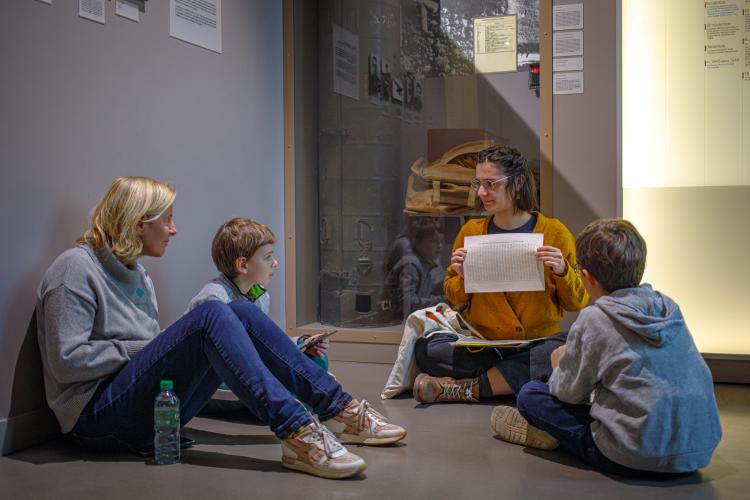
{"x":401,"y":107}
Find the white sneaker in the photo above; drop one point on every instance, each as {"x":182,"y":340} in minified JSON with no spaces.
{"x":316,"y":451}
{"x":359,"y":423}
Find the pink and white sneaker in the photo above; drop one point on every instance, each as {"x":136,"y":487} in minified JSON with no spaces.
{"x":359,"y":423}
{"x":316,"y":451}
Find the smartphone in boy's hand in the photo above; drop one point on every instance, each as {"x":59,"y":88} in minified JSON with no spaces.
{"x":317,"y":344}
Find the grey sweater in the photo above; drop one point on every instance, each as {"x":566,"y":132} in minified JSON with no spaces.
{"x":93,"y":314}
{"x":653,"y":402}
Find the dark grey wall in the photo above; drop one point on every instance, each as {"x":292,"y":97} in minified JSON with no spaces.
{"x":82,"y":103}
{"x":586,"y":184}
{"x":585,"y":155}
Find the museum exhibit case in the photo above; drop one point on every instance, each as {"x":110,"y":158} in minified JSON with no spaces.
{"x":387,"y":104}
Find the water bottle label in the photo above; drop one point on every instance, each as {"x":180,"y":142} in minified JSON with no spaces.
{"x":166,"y":417}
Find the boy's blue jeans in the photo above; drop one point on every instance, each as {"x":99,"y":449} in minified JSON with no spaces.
{"x":571,"y":425}
{"x":235,"y":343}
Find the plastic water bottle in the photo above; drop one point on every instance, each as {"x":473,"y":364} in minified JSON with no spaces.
{"x":166,"y":425}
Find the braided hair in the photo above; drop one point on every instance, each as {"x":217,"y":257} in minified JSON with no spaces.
{"x":515,"y":166}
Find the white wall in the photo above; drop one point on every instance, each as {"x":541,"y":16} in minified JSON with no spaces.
{"x":82,"y":103}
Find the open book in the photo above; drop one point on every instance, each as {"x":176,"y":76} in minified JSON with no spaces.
{"x":502,"y":344}
{"x":477,"y":340}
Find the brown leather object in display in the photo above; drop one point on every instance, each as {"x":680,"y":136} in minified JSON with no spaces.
{"x":444,"y":186}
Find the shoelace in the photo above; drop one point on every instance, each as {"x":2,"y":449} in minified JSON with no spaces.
{"x":458,"y":391}
{"x":366,"y":412}
{"x":320,"y":433}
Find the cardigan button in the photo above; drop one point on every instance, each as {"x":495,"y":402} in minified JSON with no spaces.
{"x":519,"y":329}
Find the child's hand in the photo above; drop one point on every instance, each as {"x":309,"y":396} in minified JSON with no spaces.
{"x":553,"y":258}
{"x":554,"y":358}
{"x":457,"y":261}
{"x":316,"y":346}
{"x":318,"y":350}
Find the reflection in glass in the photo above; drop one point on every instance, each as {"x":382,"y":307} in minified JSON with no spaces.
{"x":381,"y":259}
{"x":414,"y":273}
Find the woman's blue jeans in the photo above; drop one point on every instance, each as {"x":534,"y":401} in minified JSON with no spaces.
{"x":235,"y":343}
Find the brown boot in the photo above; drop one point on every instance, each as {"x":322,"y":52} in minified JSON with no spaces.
{"x":428,"y":389}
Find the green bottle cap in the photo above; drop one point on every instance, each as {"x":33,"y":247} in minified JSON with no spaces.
{"x":166,"y":385}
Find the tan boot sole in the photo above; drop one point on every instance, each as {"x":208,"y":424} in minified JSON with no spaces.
{"x":509,"y":425}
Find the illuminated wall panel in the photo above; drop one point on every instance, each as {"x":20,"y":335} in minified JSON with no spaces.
{"x":686,"y":157}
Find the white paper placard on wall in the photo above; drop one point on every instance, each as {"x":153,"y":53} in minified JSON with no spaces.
{"x":128,"y":10}
{"x":567,"y":83}
{"x":567,"y":64}
{"x":567,"y":43}
{"x":567,"y":17}
{"x":196,"y":22}
{"x":92,"y":10}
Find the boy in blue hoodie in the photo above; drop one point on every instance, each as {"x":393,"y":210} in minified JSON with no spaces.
{"x":629,"y":391}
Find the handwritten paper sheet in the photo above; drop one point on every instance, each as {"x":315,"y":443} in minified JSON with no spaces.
{"x":503,"y":263}
{"x":495,"y":44}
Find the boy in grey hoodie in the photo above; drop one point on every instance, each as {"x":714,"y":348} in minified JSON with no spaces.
{"x":629,"y":391}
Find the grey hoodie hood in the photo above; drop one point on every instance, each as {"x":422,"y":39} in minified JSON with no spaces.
{"x":644,"y":311}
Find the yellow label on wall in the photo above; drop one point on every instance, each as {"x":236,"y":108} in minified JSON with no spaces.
{"x":495,"y":46}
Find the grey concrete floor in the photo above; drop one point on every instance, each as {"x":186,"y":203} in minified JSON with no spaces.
{"x":449,"y":453}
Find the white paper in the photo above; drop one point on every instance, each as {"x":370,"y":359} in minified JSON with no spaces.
{"x":92,"y":10}
{"x":128,"y":10}
{"x":567,"y":64}
{"x":567,"y":43}
{"x":567,"y":17}
{"x":503,"y":263}
{"x":567,"y":83}
{"x":345,"y":62}
{"x":197,"y":22}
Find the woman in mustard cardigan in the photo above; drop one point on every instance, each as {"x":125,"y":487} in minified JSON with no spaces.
{"x":507,"y":189}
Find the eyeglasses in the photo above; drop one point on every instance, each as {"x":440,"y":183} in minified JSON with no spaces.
{"x":487,"y":184}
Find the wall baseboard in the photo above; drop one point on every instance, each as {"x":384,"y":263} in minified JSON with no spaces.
{"x":28,"y":429}
{"x":363,"y":352}
{"x":729,"y":368}
{"x":725,"y":368}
